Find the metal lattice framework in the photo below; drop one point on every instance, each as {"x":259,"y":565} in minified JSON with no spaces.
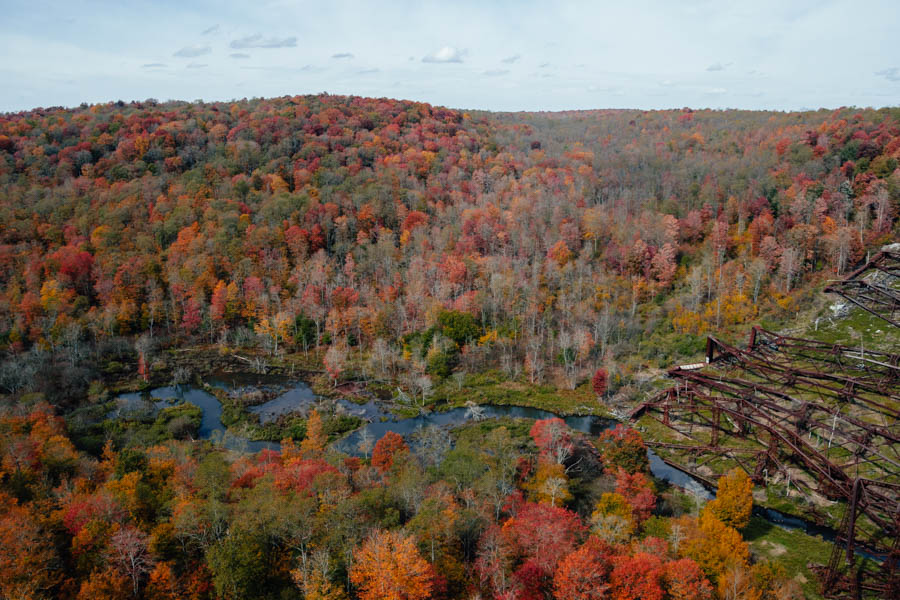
{"x":875,"y":286}
{"x":829,"y":411}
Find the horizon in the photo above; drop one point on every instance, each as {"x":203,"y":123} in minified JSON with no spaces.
{"x":497,"y":57}
{"x":210,"y":101}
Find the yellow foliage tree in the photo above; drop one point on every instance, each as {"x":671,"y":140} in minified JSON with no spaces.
{"x":736,"y":583}
{"x":289,"y":452}
{"x":232,"y":300}
{"x":712,"y":544}
{"x":687,"y":321}
{"x":549,"y":484}
{"x":125,"y":491}
{"x":734,"y":499}
{"x":612,"y":519}
{"x":316,"y":586}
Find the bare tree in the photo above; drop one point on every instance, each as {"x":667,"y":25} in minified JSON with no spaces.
{"x":474,"y":411}
{"x":366,"y":442}
{"x":128,"y":550}
{"x":566,"y":343}
{"x":459,"y":377}
{"x":433,"y":444}
{"x":382,"y":357}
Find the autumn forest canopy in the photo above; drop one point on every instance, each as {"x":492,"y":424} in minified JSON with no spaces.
{"x":350,"y":222}
{"x":423,"y":257}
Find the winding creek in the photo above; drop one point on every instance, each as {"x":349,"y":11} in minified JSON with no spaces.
{"x":298,"y":397}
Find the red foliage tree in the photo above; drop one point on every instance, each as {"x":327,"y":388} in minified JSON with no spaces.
{"x":599,"y":381}
{"x":637,"y":490}
{"x":299,"y":475}
{"x":543,"y":533}
{"x":637,"y":577}
{"x":623,"y":448}
{"x":386,"y":449}
{"x":552,"y":438}
{"x":143,"y":372}
{"x":191,"y":318}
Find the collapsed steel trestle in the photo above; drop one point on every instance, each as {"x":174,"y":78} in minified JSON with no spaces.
{"x":831,"y":410}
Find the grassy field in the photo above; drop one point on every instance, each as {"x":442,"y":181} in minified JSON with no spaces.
{"x":795,"y":550}
{"x":491,"y":387}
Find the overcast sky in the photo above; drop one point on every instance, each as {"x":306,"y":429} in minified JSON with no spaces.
{"x":498,"y":55}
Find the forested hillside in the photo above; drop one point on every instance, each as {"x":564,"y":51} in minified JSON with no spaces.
{"x":572,"y":239}
{"x":405,"y":259}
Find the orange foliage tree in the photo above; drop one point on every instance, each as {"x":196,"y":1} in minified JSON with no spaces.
{"x":161,"y":584}
{"x":385,"y":450}
{"x":316,"y":438}
{"x":623,"y":448}
{"x":388,"y":567}
{"x":25,"y":559}
{"x":685,"y":581}
{"x":105,"y":585}
{"x":584,"y":574}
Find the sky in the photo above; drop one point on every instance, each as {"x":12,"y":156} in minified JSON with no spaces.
{"x":494,"y":55}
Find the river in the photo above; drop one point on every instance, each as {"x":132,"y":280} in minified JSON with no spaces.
{"x":296,"y":396}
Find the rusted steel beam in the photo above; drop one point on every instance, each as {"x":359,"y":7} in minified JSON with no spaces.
{"x":791,"y":375}
{"x":847,"y":296}
{"x":771,"y":342}
{"x":758,"y":417}
{"x":735,"y":387}
{"x":882,"y":301}
{"x":703,"y":449}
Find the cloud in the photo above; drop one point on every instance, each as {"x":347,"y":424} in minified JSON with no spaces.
{"x":258,"y":41}
{"x":892,"y":74}
{"x":153,"y":66}
{"x":211,"y":30}
{"x":716,"y":91}
{"x":193,"y":51}
{"x":197,"y":66}
{"x":511,"y":59}
{"x":239,"y":55}
{"x":282,"y":69}
{"x":342,"y":55}
{"x":718,"y":67}
{"x":543,"y":66}
{"x":496,"y":72}
{"x":366,"y":71}
{"x":447,"y":54}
